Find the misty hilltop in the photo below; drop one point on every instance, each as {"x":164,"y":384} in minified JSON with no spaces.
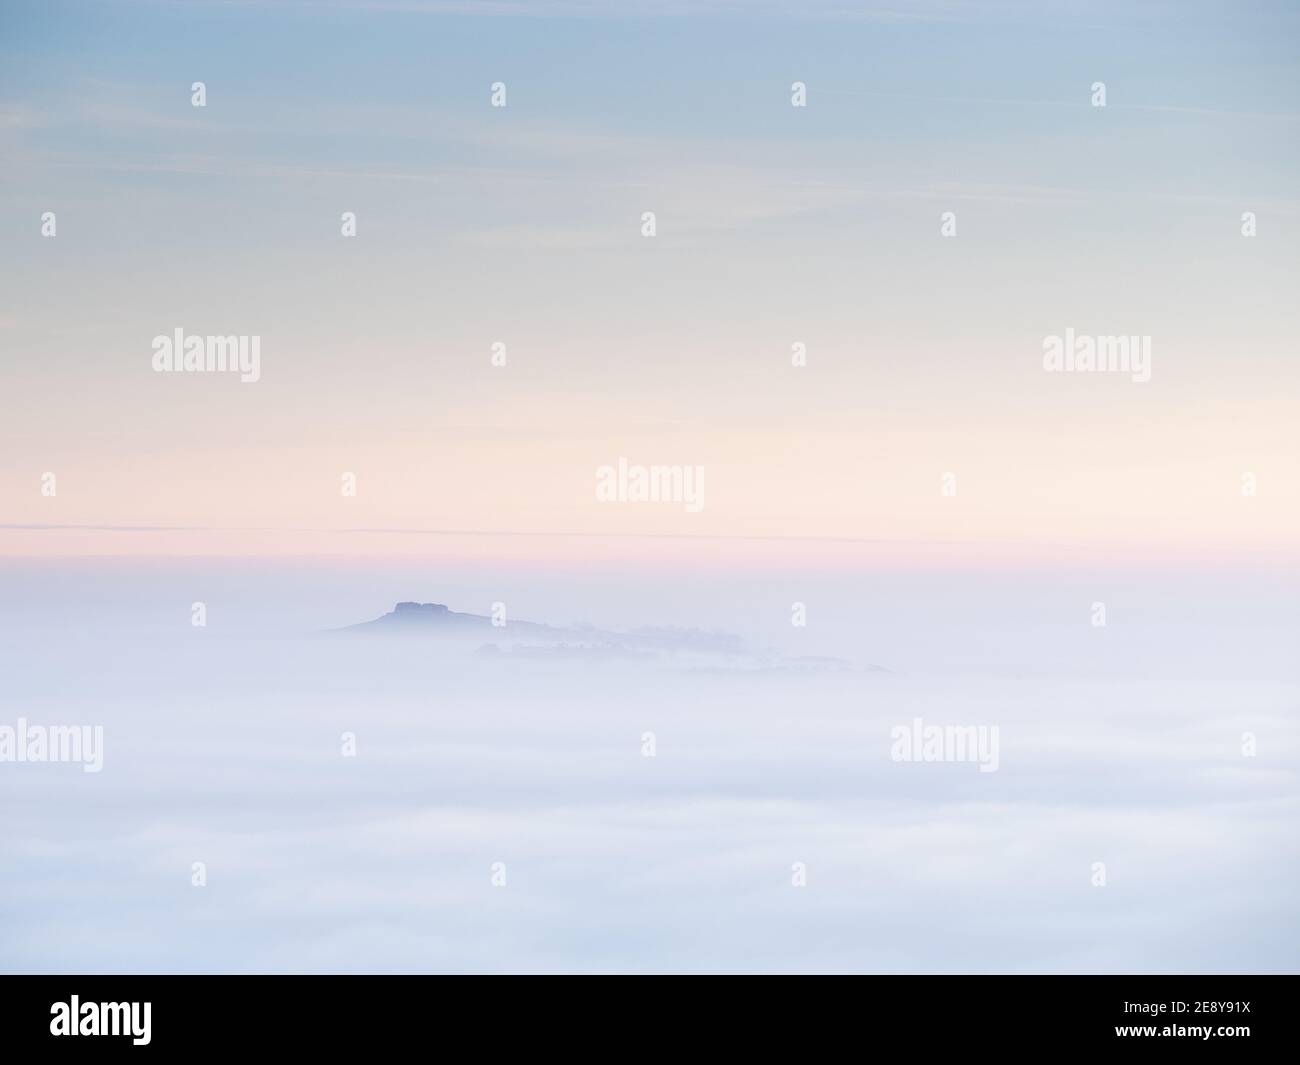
{"x":415,"y":618}
{"x":497,"y":635}
{"x":436,"y":620}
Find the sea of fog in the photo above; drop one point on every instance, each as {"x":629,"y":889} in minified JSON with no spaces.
{"x":501,"y":813}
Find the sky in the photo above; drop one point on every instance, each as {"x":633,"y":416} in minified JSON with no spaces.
{"x":775,"y":225}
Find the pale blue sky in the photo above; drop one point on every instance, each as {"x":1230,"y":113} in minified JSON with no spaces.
{"x":775,"y":225}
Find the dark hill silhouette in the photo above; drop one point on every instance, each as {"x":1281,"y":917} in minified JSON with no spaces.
{"x":531,"y":639}
{"x":437,"y":620}
{"x":434,"y":617}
